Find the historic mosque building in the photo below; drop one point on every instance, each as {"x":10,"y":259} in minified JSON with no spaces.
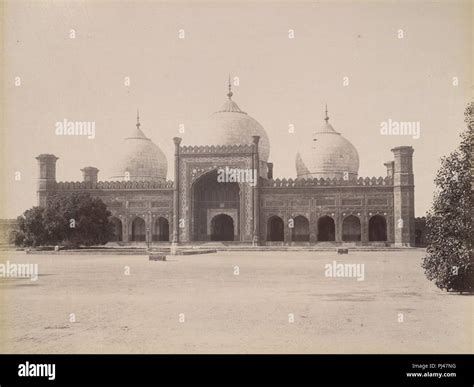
{"x":327,"y":203}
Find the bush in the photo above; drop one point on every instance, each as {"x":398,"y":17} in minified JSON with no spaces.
{"x":72,"y":220}
{"x":449,"y":260}
{"x":31,"y":228}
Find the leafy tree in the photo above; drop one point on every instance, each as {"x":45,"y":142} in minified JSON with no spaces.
{"x":449,"y":261}
{"x":31,"y":230}
{"x":73,"y":220}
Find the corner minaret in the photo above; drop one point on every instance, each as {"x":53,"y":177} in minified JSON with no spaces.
{"x":403,"y":196}
{"x":90,"y":176}
{"x":46,"y":177}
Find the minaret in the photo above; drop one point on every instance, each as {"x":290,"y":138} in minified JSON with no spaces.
{"x":46,"y":177}
{"x":90,"y":176}
{"x":176,"y":204}
{"x":403,"y":196}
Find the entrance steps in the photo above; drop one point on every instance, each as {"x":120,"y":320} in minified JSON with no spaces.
{"x":212,"y":247}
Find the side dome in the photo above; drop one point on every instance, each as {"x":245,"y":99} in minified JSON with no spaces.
{"x":328,"y":155}
{"x":140,"y":159}
{"x":232,"y":126}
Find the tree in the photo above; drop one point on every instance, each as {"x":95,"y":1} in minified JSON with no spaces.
{"x":72,"y":220}
{"x":449,"y":260}
{"x":31,"y":230}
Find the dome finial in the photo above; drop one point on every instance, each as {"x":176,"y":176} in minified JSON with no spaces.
{"x":230,"y":94}
{"x":326,"y":118}
{"x":138,"y":119}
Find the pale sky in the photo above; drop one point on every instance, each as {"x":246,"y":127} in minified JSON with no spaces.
{"x":182,"y":81}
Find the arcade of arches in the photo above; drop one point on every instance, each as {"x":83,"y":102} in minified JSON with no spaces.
{"x":138,"y":230}
{"x":223,"y":228}
{"x":350,"y":229}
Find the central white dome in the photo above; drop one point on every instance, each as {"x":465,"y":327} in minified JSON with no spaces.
{"x":232,"y":126}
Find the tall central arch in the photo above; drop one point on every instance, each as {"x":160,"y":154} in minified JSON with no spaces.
{"x":208,"y":196}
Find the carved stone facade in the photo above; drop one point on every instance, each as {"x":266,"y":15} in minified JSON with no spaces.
{"x":265,"y":211}
{"x":194,"y":165}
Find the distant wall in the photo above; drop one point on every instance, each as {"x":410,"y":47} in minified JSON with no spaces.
{"x":7,"y":226}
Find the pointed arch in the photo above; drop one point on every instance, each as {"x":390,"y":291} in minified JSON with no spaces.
{"x":377,"y":228}
{"x":138,"y":233}
{"x":351,"y":229}
{"x":117,"y":229}
{"x":326,"y":229}
{"x":161,"y":230}
{"x":275,"y":229}
{"x":300,"y":230}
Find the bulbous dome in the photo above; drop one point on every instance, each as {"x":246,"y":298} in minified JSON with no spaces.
{"x":232,"y":126}
{"x":329,"y":155}
{"x":140,"y":159}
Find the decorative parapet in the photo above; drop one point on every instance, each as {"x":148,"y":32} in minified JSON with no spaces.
{"x":71,"y":185}
{"x":315,"y":182}
{"x":194,"y":149}
{"x":113,"y":185}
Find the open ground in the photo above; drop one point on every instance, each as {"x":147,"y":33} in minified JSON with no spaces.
{"x":280,"y":302}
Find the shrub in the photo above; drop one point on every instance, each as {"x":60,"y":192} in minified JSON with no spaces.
{"x":72,"y":220}
{"x":449,"y":260}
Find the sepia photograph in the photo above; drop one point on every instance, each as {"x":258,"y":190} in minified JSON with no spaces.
{"x":237,"y":178}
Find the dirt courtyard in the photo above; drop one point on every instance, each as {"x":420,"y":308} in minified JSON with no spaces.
{"x":230,"y":302}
